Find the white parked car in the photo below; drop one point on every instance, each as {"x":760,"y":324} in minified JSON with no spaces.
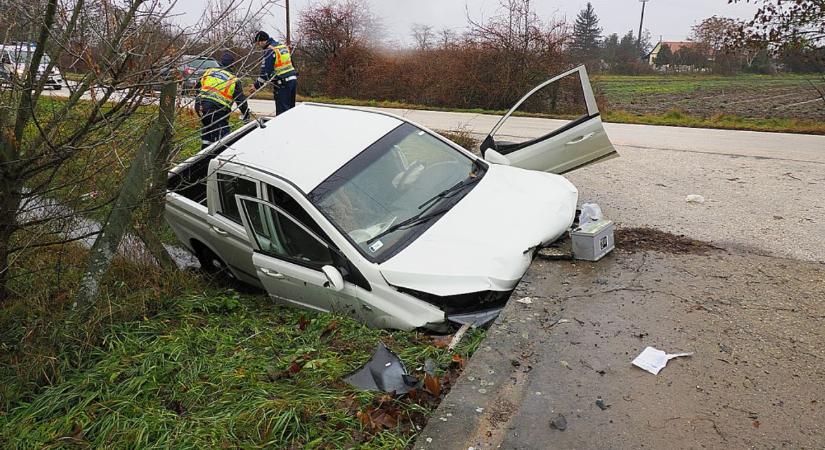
{"x":14,"y":60}
{"x":367,"y":214}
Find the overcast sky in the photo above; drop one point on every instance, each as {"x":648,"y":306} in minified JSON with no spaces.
{"x":670,"y":19}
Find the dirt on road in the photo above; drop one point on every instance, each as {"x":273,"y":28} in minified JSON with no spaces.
{"x":756,"y":324}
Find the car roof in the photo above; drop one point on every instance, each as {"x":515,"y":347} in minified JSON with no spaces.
{"x":310,"y":142}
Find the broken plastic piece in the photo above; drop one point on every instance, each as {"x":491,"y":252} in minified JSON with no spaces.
{"x":383,"y":372}
{"x":653,"y":360}
{"x":478,"y":319}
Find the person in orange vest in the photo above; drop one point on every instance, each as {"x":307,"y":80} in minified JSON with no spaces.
{"x":217,"y":90}
{"x":277,"y":68}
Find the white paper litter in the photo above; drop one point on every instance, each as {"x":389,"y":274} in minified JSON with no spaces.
{"x":653,"y":360}
{"x":525,"y":301}
{"x":695,"y":198}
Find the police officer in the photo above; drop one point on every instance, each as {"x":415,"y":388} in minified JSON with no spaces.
{"x":277,"y":67}
{"x":217,"y":90}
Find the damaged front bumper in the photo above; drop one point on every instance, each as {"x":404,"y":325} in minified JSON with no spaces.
{"x":479,"y":309}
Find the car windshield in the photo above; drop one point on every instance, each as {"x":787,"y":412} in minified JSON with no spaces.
{"x":385,"y":197}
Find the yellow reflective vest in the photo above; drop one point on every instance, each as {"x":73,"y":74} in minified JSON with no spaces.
{"x":218,"y":85}
{"x":283,"y":59}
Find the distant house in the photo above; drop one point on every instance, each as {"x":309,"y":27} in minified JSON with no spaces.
{"x":674,"y":47}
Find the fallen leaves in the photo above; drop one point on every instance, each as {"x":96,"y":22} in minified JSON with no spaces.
{"x":383,"y":415}
{"x":303,"y":322}
{"x":432,"y":385}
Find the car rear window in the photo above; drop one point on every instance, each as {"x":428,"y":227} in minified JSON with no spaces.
{"x":203,"y":63}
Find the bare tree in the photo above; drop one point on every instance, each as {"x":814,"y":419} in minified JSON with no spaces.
{"x":334,"y":45}
{"x":447,"y":38}
{"x":423,"y":36}
{"x":527,"y":49}
{"x":58,"y":148}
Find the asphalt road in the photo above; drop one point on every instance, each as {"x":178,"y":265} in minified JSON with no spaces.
{"x":754,"y":323}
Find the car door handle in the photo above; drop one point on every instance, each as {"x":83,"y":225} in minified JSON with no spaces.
{"x":219,"y":231}
{"x":582,"y":138}
{"x":272,"y":273}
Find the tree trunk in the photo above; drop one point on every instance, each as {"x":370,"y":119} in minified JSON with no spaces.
{"x":9,"y":203}
{"x":119,"y":220}
{"x":156,"y":198}
{"x":9,"y":195}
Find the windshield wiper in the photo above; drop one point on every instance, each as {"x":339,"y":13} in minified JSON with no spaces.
{"x":474,"y":177}
{"x":451,"y":190}
{"x":412,"y":221}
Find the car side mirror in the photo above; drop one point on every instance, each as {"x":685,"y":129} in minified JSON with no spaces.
{"x":335,"y":280}
{"x":496,"y":157}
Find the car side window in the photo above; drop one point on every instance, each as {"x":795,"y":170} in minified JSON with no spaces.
{"x":228,"y":187}
{"x":280,"y":235}
{"x":285,"y":201}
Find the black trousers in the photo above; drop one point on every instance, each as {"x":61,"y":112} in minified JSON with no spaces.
{"x":215,"y":120}
{"x":285,"y":96}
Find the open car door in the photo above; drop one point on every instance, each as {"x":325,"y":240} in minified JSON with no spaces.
{"x":552,"y":145}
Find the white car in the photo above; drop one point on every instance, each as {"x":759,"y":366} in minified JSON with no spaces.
{"x":14,"y":61}
{"x":367,"y":214}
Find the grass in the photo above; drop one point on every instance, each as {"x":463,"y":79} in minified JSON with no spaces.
{"x":175,"y":361}
{"x":678,"y":118}
{"x":213,"y":371}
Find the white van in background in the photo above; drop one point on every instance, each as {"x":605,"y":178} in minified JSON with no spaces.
{"x":14,"y":60}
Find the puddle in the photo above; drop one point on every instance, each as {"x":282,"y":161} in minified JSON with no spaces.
{"x":70,"y":225}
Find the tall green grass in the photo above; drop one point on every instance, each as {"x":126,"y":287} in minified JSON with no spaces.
{"x":208,"y":371}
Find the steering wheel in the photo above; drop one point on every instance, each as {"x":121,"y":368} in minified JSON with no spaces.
{"x":385,"y":225}
{"x":408,"y":176}
{"x":362,"y":235}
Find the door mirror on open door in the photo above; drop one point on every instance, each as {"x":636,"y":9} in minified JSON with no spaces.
{"x":334,"y":278}
{"x":555,"y":128}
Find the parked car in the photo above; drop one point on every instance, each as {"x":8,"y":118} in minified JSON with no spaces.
{"x":14,"y":60}
{"x":189,"y":71}
{"x":367,"y":214}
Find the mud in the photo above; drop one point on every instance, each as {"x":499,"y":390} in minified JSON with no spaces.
{"x":756,"y":324}
{"x":640,"y":239}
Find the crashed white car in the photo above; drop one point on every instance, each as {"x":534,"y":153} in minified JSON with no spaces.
{"x":367,"y":214}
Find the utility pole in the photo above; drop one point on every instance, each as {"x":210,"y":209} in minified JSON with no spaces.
{"x":288,"y":41}
{"x":641,"y":24}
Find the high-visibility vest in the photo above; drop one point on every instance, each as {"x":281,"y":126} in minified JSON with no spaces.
{"x":283,"y":59}
{"x":218,"y":85}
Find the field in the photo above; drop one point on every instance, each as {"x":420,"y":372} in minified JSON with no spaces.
{"x":746,"y":96}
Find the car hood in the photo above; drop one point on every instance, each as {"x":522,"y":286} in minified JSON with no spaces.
{"x":482,"y":243}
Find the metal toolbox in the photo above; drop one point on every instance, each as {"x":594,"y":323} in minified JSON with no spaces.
{"x":593,"y":240}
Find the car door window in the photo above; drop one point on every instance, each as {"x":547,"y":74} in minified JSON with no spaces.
{"x":280,"y":235}
{"x":228,"y":187}
{"x":563,"y":100}
{"x":285,"y":201}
